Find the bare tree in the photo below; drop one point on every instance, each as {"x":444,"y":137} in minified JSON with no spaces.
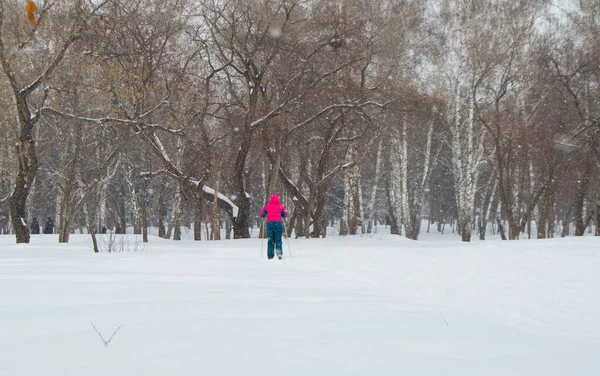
{"x":17,"y":50}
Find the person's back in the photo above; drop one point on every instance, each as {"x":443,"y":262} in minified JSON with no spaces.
{"x":35,"y":226}
{"x":49,"y":227}
{"x":274,"y":212}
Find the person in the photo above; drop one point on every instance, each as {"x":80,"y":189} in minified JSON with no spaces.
{"x":274,"y":212}
{"x":35,"y":226}
{"x":49,"y":227}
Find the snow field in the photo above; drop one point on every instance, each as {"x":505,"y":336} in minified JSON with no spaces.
{"x":372,"y":305}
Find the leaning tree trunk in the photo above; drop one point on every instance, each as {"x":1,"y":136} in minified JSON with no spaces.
{"x":27,"y":165}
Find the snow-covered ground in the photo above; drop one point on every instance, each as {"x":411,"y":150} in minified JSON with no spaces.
{"x":370,"y":305}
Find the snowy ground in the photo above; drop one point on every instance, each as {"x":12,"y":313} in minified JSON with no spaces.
{"x":377,"y":305}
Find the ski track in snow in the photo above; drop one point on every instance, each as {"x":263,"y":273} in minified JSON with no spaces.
{"x":372,"y":305}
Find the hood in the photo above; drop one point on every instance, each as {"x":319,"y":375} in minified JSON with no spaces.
{"x":274,"y":199}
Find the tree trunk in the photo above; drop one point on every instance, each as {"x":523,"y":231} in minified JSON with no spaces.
{"x":566,"y":223}
{"x":144,"y":206}
{"x":228,"y":228}
{"x":216,"y":228}
{"x":241,"y":224}
{"x":27,"y":164}
{"x":135,"y":212}
{"x":176,"y":214}
{"x":319,"y":223}
{"x":345,"y":210}
{"x":392,"y":214}
{"x":352,"y":181}
{"x":361,"y":208}
{"x":597,"y":219}
{"x":94,"y":242}
{"x":501,"y":228}
{"x":486,"y":207}
{"x":415,"y":207}
{"x":102,"y":207}
{"x":373,"y":199}
{"x":66,"y":216}
{"x":394,"y":187}
{"x":162,"y":211}
{"x":579,"y":212}
{"x":273,"y":174}
{"x":198,"y":219}
{"x":499,"y":220}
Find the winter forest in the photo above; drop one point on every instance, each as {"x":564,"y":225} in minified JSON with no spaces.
{"x":476,"y":117}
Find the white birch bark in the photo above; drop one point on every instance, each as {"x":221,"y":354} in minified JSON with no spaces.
{"x":395,"y":183}
{"x":175,"y":214}
{"x":466,"y":143}
{"x":344,"y":223}
{"x":176,"y":210}
{"x":465,"y":157}
{"x":353,"y":192}
{"x":215,"y":226}
{"x":372,"y":200}
{"x":57,"y":207}
{"x":135,"y":210}
{"x":404,"y":177}
{"x":415,"y":214}
{"x":102,"y":206}
{"x":361,"y":209}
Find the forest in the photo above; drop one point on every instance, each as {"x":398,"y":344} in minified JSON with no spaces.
{"x":470,"y":116}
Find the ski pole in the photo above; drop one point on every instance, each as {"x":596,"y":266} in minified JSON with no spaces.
{"x":262,"y":238}
{"x":286,"y":236}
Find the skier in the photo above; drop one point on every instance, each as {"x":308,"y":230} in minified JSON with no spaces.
{"x":274,"y":212}
{"x":35,"y":226}
{"x":49,"y":227}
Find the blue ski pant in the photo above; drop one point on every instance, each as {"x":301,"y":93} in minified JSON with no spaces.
{"x":274,"y":232}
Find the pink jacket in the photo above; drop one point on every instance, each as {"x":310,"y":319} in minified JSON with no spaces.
{"x":274,"y":211}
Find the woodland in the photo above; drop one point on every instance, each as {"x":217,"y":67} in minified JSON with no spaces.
{"x":477,"y":117}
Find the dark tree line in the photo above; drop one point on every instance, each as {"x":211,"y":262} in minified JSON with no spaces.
{"x":163,"y":115}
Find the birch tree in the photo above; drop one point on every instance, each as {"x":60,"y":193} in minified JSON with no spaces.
{"x":466,"y":138}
